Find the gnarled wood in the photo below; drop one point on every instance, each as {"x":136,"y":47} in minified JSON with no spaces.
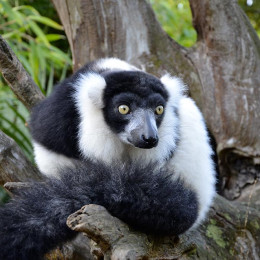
{"x":227,"y":57}
{"x":17,"y":77}
{"x":231,"y":230}
{"x":112,"y":236}
{"x":14,"y":166}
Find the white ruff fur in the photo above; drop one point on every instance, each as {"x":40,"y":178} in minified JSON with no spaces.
{"x":50,"y":162}
{"x":192,"y":159}
{"x":96,"y":140}
{"x":114,"y":64}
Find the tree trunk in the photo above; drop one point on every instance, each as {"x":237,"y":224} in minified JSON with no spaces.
{"x":14,"y":166}
{"x":222,"y":70}
{"x":227,"y":57}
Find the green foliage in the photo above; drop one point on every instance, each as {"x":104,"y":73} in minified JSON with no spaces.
{"x":253,"y":12}
{"x":175,"y":18}
{"x":33,"y":38}
{"x":13,"y":117}
{"x":26,"y":31}
{"x":37,"y":41}
{"x":4,"y":197}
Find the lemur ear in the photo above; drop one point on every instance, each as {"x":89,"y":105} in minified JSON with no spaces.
{"x":92,"y":86}
{"x":175,"y":86}
{"x":96,"y":88}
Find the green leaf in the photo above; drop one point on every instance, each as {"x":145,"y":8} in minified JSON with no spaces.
{"x":50,"y":81}
{"x":19,"y":141}
{"x":17,"y":130}
{"x":63,"y":57}
{"x":19,"y":115}
{"x":46,"y":21}
{"x":25,"y":62}
{"x":26,"y":8}
{"x":9,"y":34}
{"x":39,"y":33}
{"x":55,"y":37}
{"x":4,"y":197}
{"x":42,"y":72}
{"x":11,"y":13}
{"x":64,"y":71}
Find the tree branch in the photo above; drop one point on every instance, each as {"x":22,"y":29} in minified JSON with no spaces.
{"x":227,"y":231}
{"x":14,"y":166}
{"x":111,"y":234}
{"x":17,"y":78}
{"x":227,"y":57}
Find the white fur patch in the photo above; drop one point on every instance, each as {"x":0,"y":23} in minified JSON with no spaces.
{"x":49,"y":163}
{"x":96,"y":140}
{"x":92,"y":85}
{"x":114,"y":64}
{"x":175,"y":87}
{"x":192,"y":159}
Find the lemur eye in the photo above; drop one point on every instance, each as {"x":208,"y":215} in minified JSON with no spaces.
{"x":123,"y":109}
{"x":159,"y":110}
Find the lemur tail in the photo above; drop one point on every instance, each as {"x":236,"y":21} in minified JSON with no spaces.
{"x":34,"y":222}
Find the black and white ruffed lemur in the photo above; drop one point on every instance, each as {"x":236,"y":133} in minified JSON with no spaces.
{"x":116,"y":136}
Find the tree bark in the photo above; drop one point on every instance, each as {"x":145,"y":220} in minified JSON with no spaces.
{"x":14,"y":166}
{"x":125,"y":29}
{"x":227,"y":57}
{"x":17,"y":77}
{"x":231,"y":231}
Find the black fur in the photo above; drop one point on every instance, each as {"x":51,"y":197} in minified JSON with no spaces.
{"x":54,"y":122}
{"x":138,"y":82}
{"x":35,"y":220}
{"x":117,"y":121}
{"x":133,"y":88}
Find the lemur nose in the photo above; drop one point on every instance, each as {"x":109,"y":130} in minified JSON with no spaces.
{"x":152,"y":140}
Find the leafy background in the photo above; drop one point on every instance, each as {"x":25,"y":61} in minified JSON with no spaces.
{"x":33,"y":30}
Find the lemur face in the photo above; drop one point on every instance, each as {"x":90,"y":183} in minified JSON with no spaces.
{"x":134,"y":106}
